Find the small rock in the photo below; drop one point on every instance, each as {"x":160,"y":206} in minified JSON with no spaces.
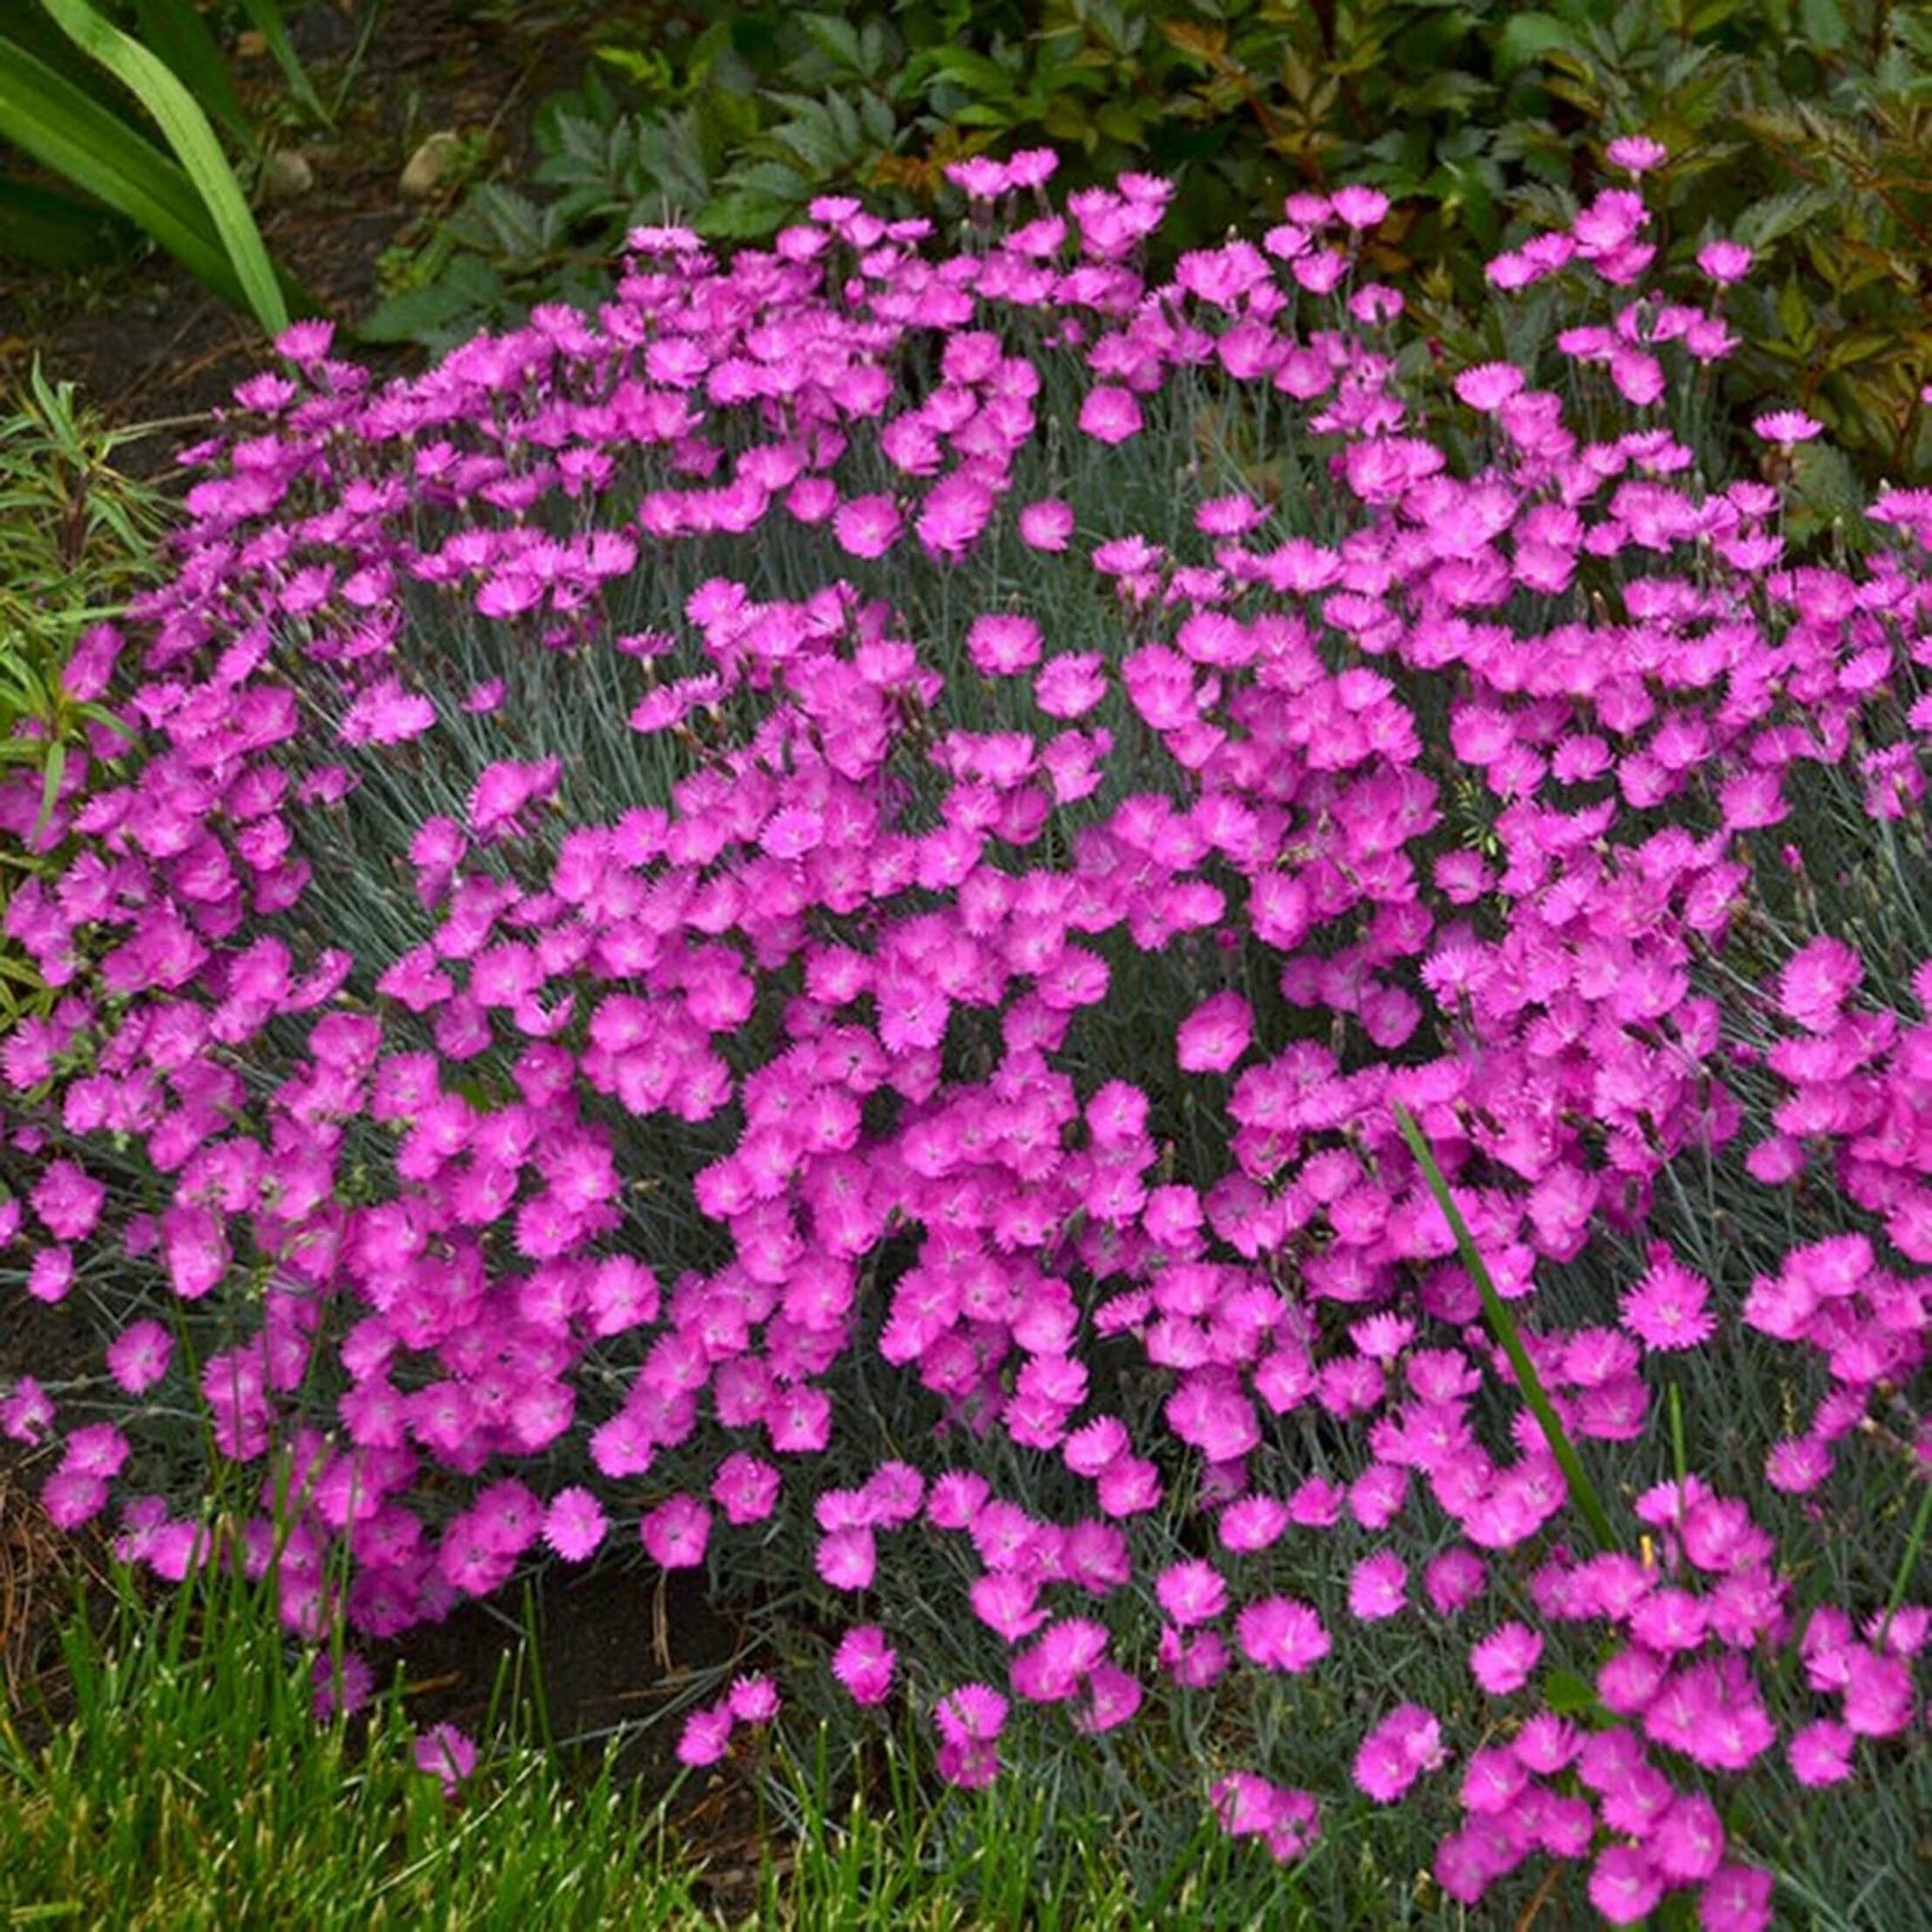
{"x":286,"y":174}
{"x":429,"y":164}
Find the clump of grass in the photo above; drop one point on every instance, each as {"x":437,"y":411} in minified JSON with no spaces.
{"x":188,"y":1783}
{"x":191,"y":1785}
{"x":77,"y":538}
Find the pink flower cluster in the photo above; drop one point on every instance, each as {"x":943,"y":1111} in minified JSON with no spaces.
{"x":607,"y":974}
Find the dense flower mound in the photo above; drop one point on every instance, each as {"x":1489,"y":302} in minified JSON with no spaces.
{"x":790,"y":922}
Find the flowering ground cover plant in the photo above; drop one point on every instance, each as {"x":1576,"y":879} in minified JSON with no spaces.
{"x":804,"y":926}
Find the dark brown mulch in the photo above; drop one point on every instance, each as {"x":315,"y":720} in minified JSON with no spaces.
{"x":146,"y":342}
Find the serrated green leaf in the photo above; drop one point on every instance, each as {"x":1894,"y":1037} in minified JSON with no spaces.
{"x":877,"y":122}
{"x":1528,"y":37}
{"x":499,"y":221}
{"x":836,"y":39}
{"x":402,"y":316}
{"x":1771,"y":219}
{"x":1823,"y":476}
{"x":974,"y":71}
{"x":1448,"y":92}
{"x":1823,"y":24}
{"x":771,"y":179}
{"x":740,"y":215}
{"x":1794,"y":316}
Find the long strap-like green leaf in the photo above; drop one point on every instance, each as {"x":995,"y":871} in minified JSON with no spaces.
{"x":49,"y":118}
{"x":185,"y":126}
{"x":1502,"y":1325}
{"x":175,"y":30}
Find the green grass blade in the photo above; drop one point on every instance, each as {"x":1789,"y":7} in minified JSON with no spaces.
{"x":173,"y":29}
{"x":49,"y":791}
{"x":267,"y":16}
{"x":1908,"y":1564}
{"x":53,"y":121}
{"x":1502,"y":1325}
{"x":186,"y":128}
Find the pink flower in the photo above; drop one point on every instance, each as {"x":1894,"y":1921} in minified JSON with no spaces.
{"x":1070,"y":685}
{"x":1054,"y":1668}
{"x":1002,"y":645}
{"x":573,"y":1524}
{"x":446,"y":1753}
{"x":384,"y":714}
{"x":979,"y":177}
{"x":1110,"y":414}
{"x":71,"y":1497}
{"x":1639,"y":378}
{"x":67,"y":1201}
{"x":675,"y":1533}
{"x":868,"y":526}
{"x":864,"y":1663}
{"x":1821,"y":1753}
{"x":1191,"y":1593}
{"x":1737,"y":1899}
{"x":305,"y":342}
{"x":1253,"y":1522}
{"x":1454,"y":1580}
{"x":1547,"y":1742}
{"x":1487,"y":386}
{"x":754,"y":1700}
{"x":1047,"y":524}
{"x":956,"y":1498}
{"x":1358,"y":207}
{"x":1624,"y":1886}
{"x":346,"y":1689}
{"x":1279,"y":1633}
{"x":1216,"y":1034}
{"x":1112,"y":1696}
{"x":27,"y":1411}
{"x":138,"y":1357}
{"x":1878,"y":1693}
{"x":1503,"y":1660}
{"x":1407,"y":1743}
{"x":1724,"y":262}
{"x":967,"y":1763}
{"x":847,"y":1558}
{"x":974,"y":1713}
{"x":1378,"y":1587}
{"x":1787,"y":427}
{"x":706,"y":1734}
{"x":1816,"y":982}
{"x":745,"y":1489}
{"x":1687,"y":1845}
{"x":1636,"y":154}
{"x":1668,"y":1309}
